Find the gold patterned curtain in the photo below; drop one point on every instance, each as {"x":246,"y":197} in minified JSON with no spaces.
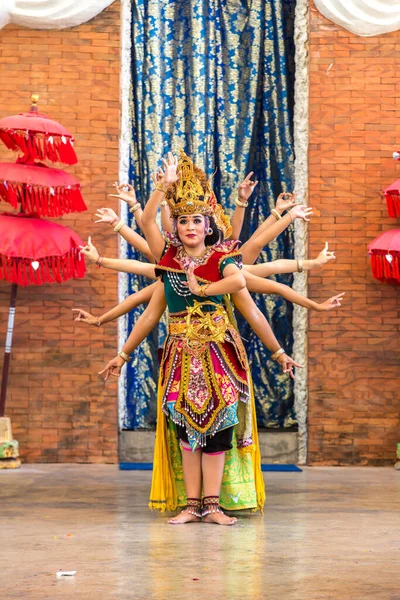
{"x":216,"y":78}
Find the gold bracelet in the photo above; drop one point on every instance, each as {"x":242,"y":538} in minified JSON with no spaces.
{"x":300,"y":268}
{"x":125,"y":356}
{"x":98,"y":324}
{"x":134,"y":208}
{"x":119,"y":226}
{"x":203,"y":290}
{"x":162,"y":187}
{"x":277,"y":354}
{"x":241,"y":204}
{"x":276,"y":214}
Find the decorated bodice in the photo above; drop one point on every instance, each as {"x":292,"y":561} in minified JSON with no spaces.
{"x":207,"y":268}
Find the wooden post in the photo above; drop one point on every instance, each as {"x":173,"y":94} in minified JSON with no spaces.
{"x":7,"y":351}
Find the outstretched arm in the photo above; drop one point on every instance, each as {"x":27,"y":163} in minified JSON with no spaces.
{"x":141,"y":297}
{"x":266,"y":286}
{"x":246,"y":188}
{"x":276,"y":267}
{"x":143,"y":326}
{"x":125,"y":265}
{"x":107,"y":215}
{"x":151,"y":230}
{"x":127,"y":194}
{"x":266,"y":233}
{"x":232,"y":281}
{"x":245,"y":304}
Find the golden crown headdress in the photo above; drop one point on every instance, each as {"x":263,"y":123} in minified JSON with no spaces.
{"x":193,"y":194}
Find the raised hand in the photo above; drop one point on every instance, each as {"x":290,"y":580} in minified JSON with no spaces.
{"x":287,"y":364}
{"x":331,"y":303}
{"x":113,"y":368}
{"x":157,"y":176}
{"x":85,"y":317}
{"x":170,"y":174}
{"x":192,"y":282}
{"x":246,"y":188}
{"x":106,"y":215}
{"x":90,"y":251}
{"x":325,"y":256}
{"x":125,"y":193}
{"x":285,"y":201}
{"x":299,"y":211}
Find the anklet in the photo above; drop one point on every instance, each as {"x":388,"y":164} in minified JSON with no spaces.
{"x":193,"y":507}
{"x":211,"y":505}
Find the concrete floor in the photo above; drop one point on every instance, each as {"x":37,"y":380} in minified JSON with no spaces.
{"x":328,"y":533}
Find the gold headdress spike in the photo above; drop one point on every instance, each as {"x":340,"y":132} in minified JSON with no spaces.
{"x":193,"y":194}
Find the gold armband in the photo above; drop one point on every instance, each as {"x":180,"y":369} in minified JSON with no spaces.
{"x":277,"y":354}
{"x":134,"y":208}
{"x":276,"y":214}
{"x":161,"y":187}
{"x":241,"y":204}
{"x":125,"y":356}
{"x":119,"y":226}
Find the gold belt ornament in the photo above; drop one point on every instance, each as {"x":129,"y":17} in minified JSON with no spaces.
{"x":202,"y":327}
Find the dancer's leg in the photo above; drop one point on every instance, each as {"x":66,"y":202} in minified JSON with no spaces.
{"x":213,"y":470}
{"x":191,"y":462}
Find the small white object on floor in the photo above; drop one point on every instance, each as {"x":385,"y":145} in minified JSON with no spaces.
{"x":66,"y":573}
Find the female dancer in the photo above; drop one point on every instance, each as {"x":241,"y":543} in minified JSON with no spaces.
{"x":205,"y":384}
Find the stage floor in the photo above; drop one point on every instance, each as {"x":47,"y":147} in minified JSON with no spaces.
{"x":327,"y":533}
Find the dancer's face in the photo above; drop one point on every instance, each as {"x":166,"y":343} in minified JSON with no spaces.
{"x":191,"y":230}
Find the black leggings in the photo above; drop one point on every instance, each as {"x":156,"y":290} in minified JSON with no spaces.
{"x":220,"y":442}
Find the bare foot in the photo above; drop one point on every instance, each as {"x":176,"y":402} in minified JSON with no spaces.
{"x":219,"y":518}
{"x":184,"y":517}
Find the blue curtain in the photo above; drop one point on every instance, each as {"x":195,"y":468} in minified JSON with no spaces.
{"x":216,"y":78}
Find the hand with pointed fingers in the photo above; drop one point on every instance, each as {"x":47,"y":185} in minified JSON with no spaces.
{"x":126,"y":193}
{"x":113,"y":368}
{"x":331,"y":303}
{"x":90,"y":251}
{"x":192,"y":282}
{"x":246,"y":188}
{"x":84,"y":317}
{"x":325,"y":256}
{"x":299,"y":211}
{"x":286,"y":201}
{"x":288,"y":364}
{"x":106,"y":215}
{"x":157,"y":176}
{"x":170,"y":174}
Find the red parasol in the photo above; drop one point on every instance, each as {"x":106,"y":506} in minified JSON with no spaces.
{"x":392,"y":195}
{"x":38,"y":136}
{"x":39,"y":189}
{"x":385,"y":256}
{"x":34,"y":251}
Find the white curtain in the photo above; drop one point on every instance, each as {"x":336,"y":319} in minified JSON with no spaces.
{"x":50,"y":14}
{"x":363,"y":17}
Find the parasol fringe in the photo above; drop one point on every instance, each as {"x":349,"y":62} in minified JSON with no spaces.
{"x":45,"y":201}
{"x":56,"y":148}
{"x":53,"y":268}
{"x":383,"y":270}
{"x":393,"y":204}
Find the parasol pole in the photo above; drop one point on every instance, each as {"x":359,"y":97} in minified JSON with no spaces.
{"x":7,"y":352}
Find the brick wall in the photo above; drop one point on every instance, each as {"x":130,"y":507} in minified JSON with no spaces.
{"x":60,"y":409}
{"x":354,"y":383}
